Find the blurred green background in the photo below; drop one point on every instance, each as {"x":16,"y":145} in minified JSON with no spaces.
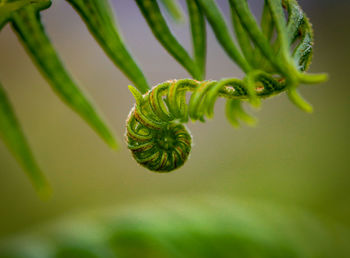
{"x":289,"y":158}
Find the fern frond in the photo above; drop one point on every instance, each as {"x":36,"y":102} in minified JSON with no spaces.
{"x":243,"y":39}
{"x":26,"y":23}
{"x":161,"y":31}
{"x":222,"y":33}
{"x":98,"y":17}
{"x":199,"y":40}
{"x":155,"y":137}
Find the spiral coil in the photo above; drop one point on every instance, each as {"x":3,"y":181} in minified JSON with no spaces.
{"x":155,"y":134}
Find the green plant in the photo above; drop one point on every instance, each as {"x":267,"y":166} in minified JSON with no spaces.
{"x":272,"y":65}
{"x":155,"y":138}
{"x":191,"y":227}
{"x":24,"y":16}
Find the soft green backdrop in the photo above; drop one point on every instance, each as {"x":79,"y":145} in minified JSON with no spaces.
{"x":291,"y":157}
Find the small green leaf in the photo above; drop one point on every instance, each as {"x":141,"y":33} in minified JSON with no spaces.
{"x":243,"y":38}
{"x":173,"y":8}
{"x":222,"y":34}
{"x":303,"y":53}
{"x":26,"y":22}
{"x":234,"y":112}
{"x":97,"y":16}
{"x":296,"y":19}
{"x":231,"y":114}
{"x":260,"y":40}
{"x":161,"y":31}
{"x":300,"y":29}
{"x":310,"y":78}
{"x":11,"y":133}
{"x":281,"y":27}
{"x":267,"y":24}
{"x":298,"y":100}
{"x":199,"y":41}
{"x":267,"y":28}
{"x":137,"y":95}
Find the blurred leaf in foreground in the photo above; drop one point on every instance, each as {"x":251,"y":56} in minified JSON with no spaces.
{"x":190,"y":227}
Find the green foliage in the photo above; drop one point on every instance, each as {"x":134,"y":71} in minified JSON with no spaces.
{"x":26,"y":23}
{"x":173,"y":9}
{"x":271,"y":66}
{"x":24,"y":16}
{"x":217,"y":22}
{"x":210,"y":227}
{"x":99,"y":19}
{"x":198,"y":31}
{"x":235,"y":111}
{"x":153,"y":120}
{"x":161,"y":31}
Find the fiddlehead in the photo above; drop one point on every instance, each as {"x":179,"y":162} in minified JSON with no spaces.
{"x":155,"y":135}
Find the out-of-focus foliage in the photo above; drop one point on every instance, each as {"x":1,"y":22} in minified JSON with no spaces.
{"x":199,"y":227}
{"x":24,"y":16}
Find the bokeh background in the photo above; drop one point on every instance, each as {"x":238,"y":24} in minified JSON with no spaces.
{"x":289,"y":158}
